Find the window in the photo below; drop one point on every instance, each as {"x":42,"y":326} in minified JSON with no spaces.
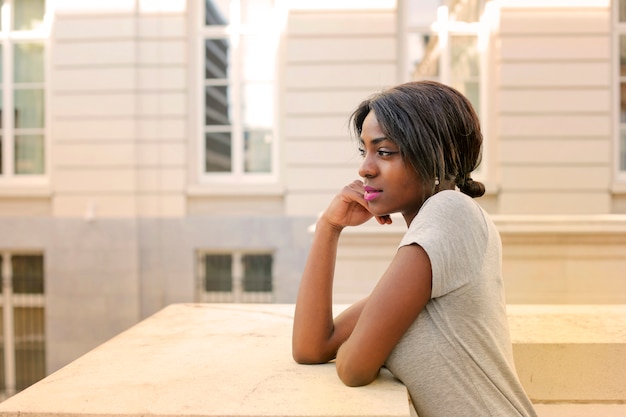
{"x":239,"y":46}
{"x":422,"y":43}
{"x":621,"y":34}
{"x":448,"y":50}
{"x":22,"y":353}
{"x":444,"y":44}
{"x":22,"y":127}
{"x":235,"y":277}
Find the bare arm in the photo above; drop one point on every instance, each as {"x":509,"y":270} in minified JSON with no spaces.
{"x":393,"y":306}
{"x":363,"y":336}
{"x":316,"y":336}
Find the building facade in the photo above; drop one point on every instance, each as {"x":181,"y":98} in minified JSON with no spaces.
{"x":179,"y":151}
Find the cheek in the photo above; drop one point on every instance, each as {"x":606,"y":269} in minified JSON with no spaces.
{"x":414,"y":185}
{"x":411,"y":179}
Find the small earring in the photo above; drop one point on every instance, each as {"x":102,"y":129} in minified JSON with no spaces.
{"x":436,"y":181}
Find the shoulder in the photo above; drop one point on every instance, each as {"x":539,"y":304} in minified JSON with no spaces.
{"x":454,"y":232}
{"x":449,"y":207}
{"x":452,"y":199}
{"x":448,"y":215}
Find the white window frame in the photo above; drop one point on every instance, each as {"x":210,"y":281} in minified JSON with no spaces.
{"x":444,"y":28}
{"x":233,"y":33}
{"x":8,"y":38}
{"x":237,"y":295}
{"x":9,"y":301}
{"x":619,"y":29}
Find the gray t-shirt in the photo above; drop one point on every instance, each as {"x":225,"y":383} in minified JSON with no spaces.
{"x":456,"y":359}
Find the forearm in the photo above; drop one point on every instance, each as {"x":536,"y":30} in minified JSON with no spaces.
{"x":314,"y":337}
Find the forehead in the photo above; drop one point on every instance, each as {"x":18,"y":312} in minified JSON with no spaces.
{"x":371,"y":128}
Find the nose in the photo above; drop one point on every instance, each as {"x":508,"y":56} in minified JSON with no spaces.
{"x":368,"y":167}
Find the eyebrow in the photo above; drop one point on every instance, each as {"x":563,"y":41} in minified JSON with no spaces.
{"x":375,"y":141}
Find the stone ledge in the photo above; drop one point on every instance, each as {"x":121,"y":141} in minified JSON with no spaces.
{"x":570,"y":353}
{"x":204,"y":360}
{"x":580,"y":410}
{"x":234,"y":359}
{"x":512,"y":224}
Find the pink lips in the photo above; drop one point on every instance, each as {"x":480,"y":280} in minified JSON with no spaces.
{"x":370,"y":193}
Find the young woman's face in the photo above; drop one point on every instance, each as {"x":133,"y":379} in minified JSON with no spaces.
{"x":391,"y":186}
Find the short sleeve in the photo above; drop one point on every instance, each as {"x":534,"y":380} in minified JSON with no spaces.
{"x":452,"y":229}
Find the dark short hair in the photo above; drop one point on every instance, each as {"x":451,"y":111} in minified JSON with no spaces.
{"x":435,"y":128}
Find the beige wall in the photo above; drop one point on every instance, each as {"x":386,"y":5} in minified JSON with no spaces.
{"x":118,"y":112}
{"x":554,"y":107}
{"x":332,"y":62}
{"x":122,"y":139}
{"x":545,"y":259}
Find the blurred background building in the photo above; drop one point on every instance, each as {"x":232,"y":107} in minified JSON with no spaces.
{"x":167,"y":151}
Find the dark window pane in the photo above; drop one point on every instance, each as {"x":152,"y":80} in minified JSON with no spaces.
{"x":216,"y":110}
{"x":217,"y":152}
{"x":216,"y":12}
{"x":3,"y":387}
{"x":622,"y":55}
{"x":215,"y":59}
{"x":27,"y":274}
{"x":30,"y":358}
{"x":257,"y":273}
{"x":218,"y":273}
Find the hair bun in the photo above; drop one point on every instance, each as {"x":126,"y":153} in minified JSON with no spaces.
{"x":472,"y":188}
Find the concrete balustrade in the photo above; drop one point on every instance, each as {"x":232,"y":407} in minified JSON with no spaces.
{"x":235,"y":360}
{"x":570,"y":353}
{"x":204,"y":360}
{"x":550,"y":259}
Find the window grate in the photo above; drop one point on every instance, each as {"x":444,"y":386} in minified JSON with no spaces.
{"x":235,"y":277}
{"x":22,"y":322}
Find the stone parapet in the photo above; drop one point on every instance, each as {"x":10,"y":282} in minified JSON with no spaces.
{"x":235,"y":360}
{"x":570,"y":353}
{"x":204,"y":360}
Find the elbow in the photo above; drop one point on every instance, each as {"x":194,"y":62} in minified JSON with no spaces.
{"x":305,"y":355}
{"x":355,"y":376}
{"x":303,"y":358}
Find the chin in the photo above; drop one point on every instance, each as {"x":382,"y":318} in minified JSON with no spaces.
{"x":380,"y":213}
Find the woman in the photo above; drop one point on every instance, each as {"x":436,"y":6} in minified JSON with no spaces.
{"x":437,"y":317}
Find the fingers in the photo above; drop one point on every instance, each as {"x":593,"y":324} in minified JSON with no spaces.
{"x":354,"y":192}
{"x":354,"y":209}
{"x":357,"y":186}
{"x":384,"y":219}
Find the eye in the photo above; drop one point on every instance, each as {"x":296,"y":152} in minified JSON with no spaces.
{"x":361,"y":151}
{"x":384,"y":153}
